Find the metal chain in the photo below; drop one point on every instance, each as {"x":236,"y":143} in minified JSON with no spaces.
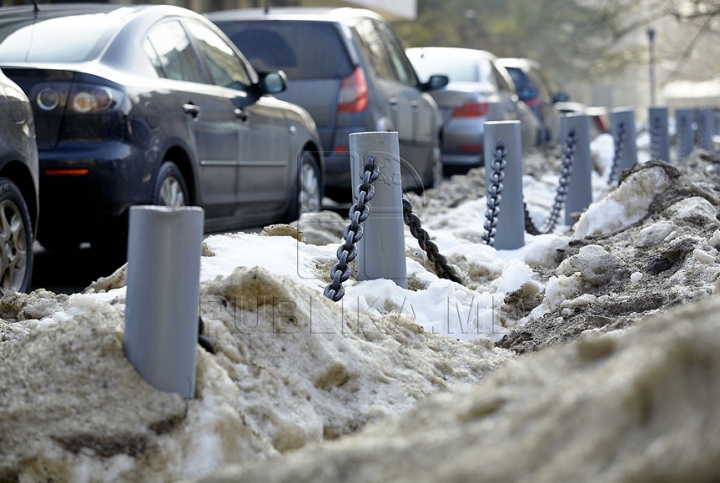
{"x":565,"y":172}
{"x":655,"y":138}
{"x":442,"y":267}
{"x":347,"y":252}
{"x":619,"y":147}
{"x":495,"y":190}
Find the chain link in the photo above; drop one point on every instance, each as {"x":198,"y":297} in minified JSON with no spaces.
{"x":569,"y":148}
{"x":442,"y":267}
{"x":655,"y":138}
{"x":495,"y":190}
{"x":347,"y":252}
{"x":619,"y":148}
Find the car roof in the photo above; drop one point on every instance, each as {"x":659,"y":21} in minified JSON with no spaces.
{"x":519,"y":63}
{"x":292,"y":13}
{"x":452,"y":52}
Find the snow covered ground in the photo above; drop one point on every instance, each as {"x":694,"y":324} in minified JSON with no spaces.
{"x":293,"y":369}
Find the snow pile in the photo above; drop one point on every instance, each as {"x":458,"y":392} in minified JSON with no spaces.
{"x":292,"y":369}
{"x":637,"y":406}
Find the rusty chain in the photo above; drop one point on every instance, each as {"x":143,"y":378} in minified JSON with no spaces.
{"x":347,"y":252}
{"x":569,"y":148}
{"x":495,"y":190}
{"x":442,"y":267}
{"x":619,"y":147}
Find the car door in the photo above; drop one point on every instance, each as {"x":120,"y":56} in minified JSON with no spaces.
{"x":207,"y":110}
{"x":423,"y":111}
{"x":264,"y":165}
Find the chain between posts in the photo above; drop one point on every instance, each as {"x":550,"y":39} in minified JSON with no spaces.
{"x":347,"y":252}
{"x":619,"y":148}
{"x":569,"y":148}
{"x":441,"y":265}
{"x":495,"y":190}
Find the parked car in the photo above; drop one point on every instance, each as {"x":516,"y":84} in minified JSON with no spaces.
{"x":480,"y":90}
{"x":599,"y":117}
{"x":18,"y":188}
{"x":153,"y":105}
{"x":535,"y":91}
{"x":348,"y":69}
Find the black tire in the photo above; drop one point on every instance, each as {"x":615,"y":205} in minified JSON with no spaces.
{"x":307,"y":190}
{"x":16,"y":240}
{"x":170,"y":188}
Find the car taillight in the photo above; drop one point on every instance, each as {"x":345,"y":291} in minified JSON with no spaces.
{"x":532,"y":102}
{"x":86,"y":98}
{"x":353,"y":92}
{"x":473,"y":109}
{"x":601,"y":124}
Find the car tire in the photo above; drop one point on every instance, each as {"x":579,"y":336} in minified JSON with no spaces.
{"x":307,"y":191}
{"x":170,"y":188}
{"x":16,"y":237}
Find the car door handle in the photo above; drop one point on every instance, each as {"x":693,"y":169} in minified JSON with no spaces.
{"x":241,"y":114}
{"x":393,"y":103}
{"x":191,"y":109}
{"x":415,"y":106}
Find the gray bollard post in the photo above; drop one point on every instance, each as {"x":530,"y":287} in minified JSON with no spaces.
{"x":623,"y":119}
{"x":381,"y":250}
{"x":659,"y":135}
{"x":579,"y":195}
{"x":163,"y":290}
{"x":705,"y":119}
{"x":510,"y":232}
{"x":685,"y":137}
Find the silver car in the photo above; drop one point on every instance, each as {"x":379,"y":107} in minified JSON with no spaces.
{"x":18,"y":187}
{"x":480,"y":90}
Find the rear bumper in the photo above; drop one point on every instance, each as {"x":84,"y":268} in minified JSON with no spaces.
{"x":81,"y":184}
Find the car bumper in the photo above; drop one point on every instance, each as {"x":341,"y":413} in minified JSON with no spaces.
{"x":81,"y":183}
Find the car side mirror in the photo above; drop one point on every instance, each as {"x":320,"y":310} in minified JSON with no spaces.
{"x":272,"y":82}
{"x":561,"y":97}
{"x":435,"y":82}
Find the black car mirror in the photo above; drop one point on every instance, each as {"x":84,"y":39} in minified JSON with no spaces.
{"x":436,"y":81}
{"x":273,"y":82}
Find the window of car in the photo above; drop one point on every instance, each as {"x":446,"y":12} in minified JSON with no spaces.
{"x":291,"y":46}
{"x":47,"y":41}
{"x":175,"y":53}
{"x":226,"y":68}
{"x":373,"y":46}
{"x":502,"y":80}
{"x":403,"y":68}
{"x":458,"y":70}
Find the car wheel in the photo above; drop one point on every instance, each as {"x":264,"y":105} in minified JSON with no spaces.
{"x":307,"y":192}
{"x":170,"y":188}
{"x":16,"y":238}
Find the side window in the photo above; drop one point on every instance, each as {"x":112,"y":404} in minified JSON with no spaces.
{"x":176,"y":57}
{"x":226,"y":68}
{"x":153,"y":57}
{"x":403,"y":68}
{"x":501,"y":80}
{"x":374,"y":49}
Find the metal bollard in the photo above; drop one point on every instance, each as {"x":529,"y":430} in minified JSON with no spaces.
{"x":705,"y":119}
{"x":510,"y":232}
{"x":685,"y":137}
{"x":659,"y":136}
{"x":623,"y":119}
{"x":381,"y":251}
{"x":163,"y":291}
{"x":579,"y":195}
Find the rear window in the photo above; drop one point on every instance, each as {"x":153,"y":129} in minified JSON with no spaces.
{"x":458,"y":70}
{"x":65,"y":39}
{"x":519,"y":78}
{"x":303,"y":50}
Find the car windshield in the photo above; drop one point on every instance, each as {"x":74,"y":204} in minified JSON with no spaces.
{"x":65,"y":39}
{"x":458,"y":70}
{"x":303,"y":50}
